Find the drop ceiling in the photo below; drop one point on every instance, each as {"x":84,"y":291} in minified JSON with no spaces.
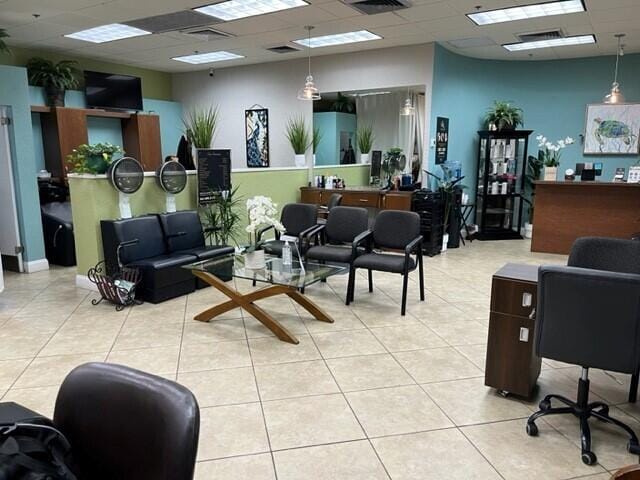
{"x":424,"y":21}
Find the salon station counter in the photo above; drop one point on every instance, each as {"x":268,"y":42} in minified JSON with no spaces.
{"x":371,"y":197}
{"x":565,"y":211}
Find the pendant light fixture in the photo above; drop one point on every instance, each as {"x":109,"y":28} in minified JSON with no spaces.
{"x":615,"y":95}
{"x":408,"y":109}
{"x":309,"y":91}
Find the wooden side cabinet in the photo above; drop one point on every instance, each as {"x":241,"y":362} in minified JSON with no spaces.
{"x":512,"y":365}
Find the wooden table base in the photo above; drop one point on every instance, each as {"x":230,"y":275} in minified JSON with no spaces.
{"x":246,"y":301}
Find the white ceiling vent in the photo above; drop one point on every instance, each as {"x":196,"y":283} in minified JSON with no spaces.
{"x":373,"y":7}
{"x":536,"y":36}
{"x":206,"y":33}
{"x":171,"y":22}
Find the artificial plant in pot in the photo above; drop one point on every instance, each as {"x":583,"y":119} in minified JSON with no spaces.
{"x":94,"y":159}
{"x":262,"y":213}
{"x":315,"y":141}
{"x":550,"y":154}
{"x":221,"y":219}
{"x":365,"y":138}
{"x":200,"y":125}
{"x":299,"y":138}
{"x":55,"y":78}
{"x":503,"y":116}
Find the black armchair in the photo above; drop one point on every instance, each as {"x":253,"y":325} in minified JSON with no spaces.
{"x":126,"y":424}
{"x":344,"y":225}
{"x":589,"y":318}
{"x":57,"y":227}
{"x":299,"y":220}
{"x":392,"y":230}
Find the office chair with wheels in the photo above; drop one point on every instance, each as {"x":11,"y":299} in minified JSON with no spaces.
{"x":589,"y":318}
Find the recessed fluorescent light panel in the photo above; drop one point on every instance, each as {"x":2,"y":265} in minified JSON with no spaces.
{"x":210,"y":57}
{"x":555,"y":42}
{"x":108,"y":33}
{"x":338,"y":39}
{"x":527,"y":11}
{"x":234,"y":9}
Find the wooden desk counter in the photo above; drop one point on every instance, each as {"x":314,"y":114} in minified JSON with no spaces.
{"x":565,"y":211}
{"x":359,"y":197}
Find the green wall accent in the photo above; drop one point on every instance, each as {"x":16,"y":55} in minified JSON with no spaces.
{"x":94,"y":199}
{"x":154,"y":84}
{"x":15,"y":95}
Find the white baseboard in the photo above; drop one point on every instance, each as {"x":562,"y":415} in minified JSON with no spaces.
{"x":36,"y":266}
{"x":82,"y":281}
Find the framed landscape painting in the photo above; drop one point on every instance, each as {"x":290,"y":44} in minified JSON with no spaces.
{"x":257,"y":131}
{"x":612,"y":129}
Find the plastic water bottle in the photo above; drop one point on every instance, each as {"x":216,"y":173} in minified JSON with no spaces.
{"x":286,"y":253}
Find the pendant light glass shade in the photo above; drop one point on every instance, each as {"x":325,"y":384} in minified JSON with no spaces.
{"x":407,"y":109}
{"x":309,"y":91}
{"x":615,"y":95}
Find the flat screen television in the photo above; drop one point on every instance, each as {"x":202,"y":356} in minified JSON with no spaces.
{"x":111,"y":90}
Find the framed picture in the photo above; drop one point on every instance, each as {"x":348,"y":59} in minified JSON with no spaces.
{"x":257,"y":134}
{"x":612,"y":129}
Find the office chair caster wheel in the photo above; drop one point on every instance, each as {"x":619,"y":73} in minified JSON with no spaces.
{"x":544,"y":405}
{"x":532,"y":429}
{"x":633,"y":448}
{"x":589,"y":458}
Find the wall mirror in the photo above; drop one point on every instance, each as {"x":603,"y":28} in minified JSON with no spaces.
{"x":395,"y":116}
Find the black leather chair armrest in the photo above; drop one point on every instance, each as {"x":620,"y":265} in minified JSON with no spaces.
{"x":262,"y":231}
{"x":365,"y":236}
{"x":175,"y":235}
{"x":413,"y":247}
{"x":304,"y":238}
{"x":122,"y":245}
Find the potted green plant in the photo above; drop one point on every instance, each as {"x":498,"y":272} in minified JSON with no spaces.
{"x":222,"y":218}
{"x":299,"y":138}
{"x":550,"y":154}
{"x":93,"y":159}
{"x":55,"y":78}
{"x":200,"y":126}
{"x":343,"y":104}
{"x":503,"y":116}
{"x":3,"y":46}
{"x":262,"y":213}
{"x":317,"y":138}
{"x":365,"y":142}
{"x":534,"y":170}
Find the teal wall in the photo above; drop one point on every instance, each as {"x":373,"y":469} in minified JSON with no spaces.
{"x":15,"y":94}
{"x":330,"y":125}
{"x":553,"y":95}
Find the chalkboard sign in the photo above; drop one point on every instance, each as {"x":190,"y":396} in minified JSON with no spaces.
{"x":214,"y":174}
{"x":442,"y":139}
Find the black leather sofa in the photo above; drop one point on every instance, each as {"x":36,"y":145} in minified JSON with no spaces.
{"x":159,"y":246}
{"x":57,"y":226}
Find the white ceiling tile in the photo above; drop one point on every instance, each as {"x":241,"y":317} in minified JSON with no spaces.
{"x":252,"y":25}
{"x":432,"y":11}
{"x":380,"y":20}
{"x":310,"y":15}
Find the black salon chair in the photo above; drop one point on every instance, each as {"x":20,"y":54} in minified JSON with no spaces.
{"x":127,"y":425}
{"x":57,"y":228}
{"x":299,"y":220}
{"x":392,"y":230}
{"x":343,"y":227}
{"x":590,"y":317}
{"x":185,"y":235}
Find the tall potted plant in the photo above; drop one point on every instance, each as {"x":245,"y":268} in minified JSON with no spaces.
{"x":365,"y":142}
{"x":200,"y":126}
{"x":550,"y":154}
{"x":298,"y":136}
{"x":262,"y":213}
{"x":503,"y":116}
{"x":55,"y":78}
{"x":222,"y":218}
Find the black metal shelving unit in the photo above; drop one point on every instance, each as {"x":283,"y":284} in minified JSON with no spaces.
{"x":502,"y":165}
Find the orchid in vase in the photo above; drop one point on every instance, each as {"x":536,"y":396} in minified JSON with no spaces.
{"x":550,"y":153}
{"x":262,"y":215}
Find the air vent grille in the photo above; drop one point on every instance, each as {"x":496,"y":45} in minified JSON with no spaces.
{"x":171,"y":22}
{"x":535,"y":36}
{"x":373,"y":7}
{"x":206,"y":33}
{"x":283,"y":49}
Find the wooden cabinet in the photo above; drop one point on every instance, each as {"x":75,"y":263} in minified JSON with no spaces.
{"x":63,"y":129}
{"x":359,"y":197}
{"x":397,"y":201}
{"x":141,"y":138}
{"x":512,"y":365}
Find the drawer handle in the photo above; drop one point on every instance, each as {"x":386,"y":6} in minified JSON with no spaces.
{"x":532,"y":315}
{"x":524,"y":334}
{"x":527,"y":299}
{"x":363,"y":200}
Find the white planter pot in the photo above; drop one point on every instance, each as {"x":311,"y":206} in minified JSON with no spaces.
{"x":255,"y":260}
{"x":550,"y":174}
{"x":300,"y":160}
{"x":445,"y":241}
{"x":364,"y":158}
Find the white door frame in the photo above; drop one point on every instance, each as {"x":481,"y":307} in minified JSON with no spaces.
{"x":10,"y":231}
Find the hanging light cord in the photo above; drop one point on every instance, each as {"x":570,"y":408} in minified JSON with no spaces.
{"x":615,"y":78}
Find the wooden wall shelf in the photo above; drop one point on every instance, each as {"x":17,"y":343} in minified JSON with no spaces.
{"x":64,"y":129}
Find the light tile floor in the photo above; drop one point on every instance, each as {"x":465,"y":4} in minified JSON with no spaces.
{"x":372,"y":396}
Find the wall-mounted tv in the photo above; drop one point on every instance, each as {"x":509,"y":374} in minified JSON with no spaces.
{"x":112,"y":90}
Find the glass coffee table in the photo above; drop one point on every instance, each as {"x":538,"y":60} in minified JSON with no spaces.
{"x":281,"y":280}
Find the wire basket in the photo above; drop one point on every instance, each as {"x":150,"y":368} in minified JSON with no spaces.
{"x":118,"y":288}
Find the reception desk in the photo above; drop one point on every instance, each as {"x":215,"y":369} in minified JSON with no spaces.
{"x":565,"y":211}
{"x":371,"y":197}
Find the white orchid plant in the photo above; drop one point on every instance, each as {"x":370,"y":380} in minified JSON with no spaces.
{"x":262,"y":213}
{"x":550,"y":153}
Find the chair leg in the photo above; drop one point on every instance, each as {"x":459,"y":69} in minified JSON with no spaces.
{"x":370,"y":281}
{"x":633,"y":388}
{"x":350,"y":285}
{"x":421,"y":273}
{"x":405,"y":281}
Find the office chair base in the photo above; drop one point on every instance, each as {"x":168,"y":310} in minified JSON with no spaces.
{"x":583,"y":410}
